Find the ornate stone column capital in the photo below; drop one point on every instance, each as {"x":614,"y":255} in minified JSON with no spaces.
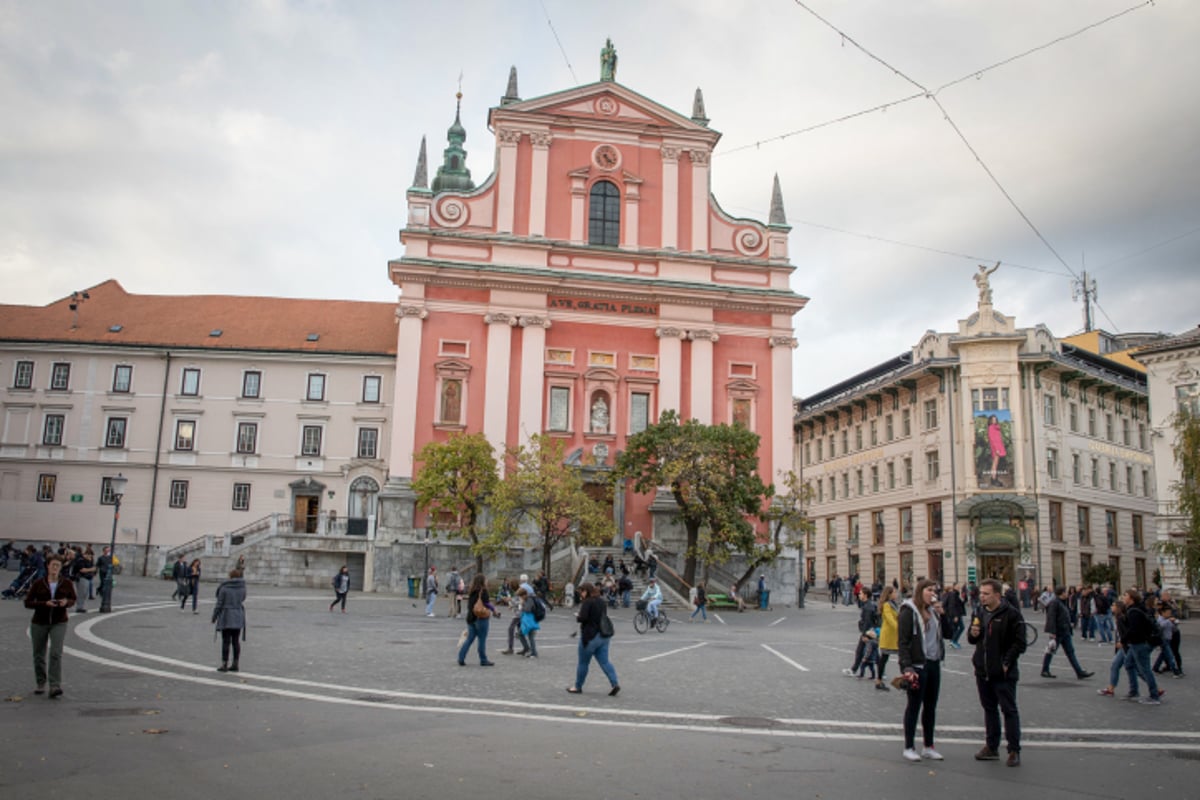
{"x":403,"y":310}
{"x":499,"y":318}
{"x":784,"y":341}
{"x":670,"y":152}
{"x":703,"y":335}
{"x":699,"y":157}
{"x":508,"y":136}
{"x":540,"y":139}
{"x":669,"y":333}
{"x":533,"y":321}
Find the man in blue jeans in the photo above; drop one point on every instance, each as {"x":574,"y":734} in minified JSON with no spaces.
{"x":1138,"y":628}
{"x":1058,"y":625}
{"x":1103,"y":620}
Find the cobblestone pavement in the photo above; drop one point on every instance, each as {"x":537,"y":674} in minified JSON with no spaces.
{"x":372,"y":704}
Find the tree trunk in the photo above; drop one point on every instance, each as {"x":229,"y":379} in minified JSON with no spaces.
{"x":689,"y":564}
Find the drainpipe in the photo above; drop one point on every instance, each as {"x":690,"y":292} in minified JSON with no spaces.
{"x":162,"y":414}
{"x":953,"y":472}
{"x":1033,"y":379}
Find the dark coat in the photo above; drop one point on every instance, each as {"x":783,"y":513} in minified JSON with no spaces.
{"x":866,"y":616}
{"x":999,"y":644}
{"x":589,"y":616}
{"x":1058,"y":619}
{"x":1137,"y":625}
{"x":38,"y":599}
{"x":230,"y":610}
{"x":483,"y":595}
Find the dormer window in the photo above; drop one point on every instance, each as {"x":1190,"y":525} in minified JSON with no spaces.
{"x":604,"y":214}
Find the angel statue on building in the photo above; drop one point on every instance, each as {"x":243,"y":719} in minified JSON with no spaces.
{"x":608,"y":61}
{"x":599,"y":415}
{"x":985,"y":288}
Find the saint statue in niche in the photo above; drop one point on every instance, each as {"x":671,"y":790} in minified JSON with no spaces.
{"x":452,"y":401}
{"x":599,"y":415}
{"x":741,"y":412}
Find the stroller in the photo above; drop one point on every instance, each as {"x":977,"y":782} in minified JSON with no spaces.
{"x":20,"y":584}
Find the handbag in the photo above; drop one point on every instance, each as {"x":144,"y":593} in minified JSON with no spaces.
{"x":479,"y":610}
{"x":606,"y":627}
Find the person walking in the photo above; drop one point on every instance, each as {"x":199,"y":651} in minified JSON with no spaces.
{"x":921,"y":627}
{"x":999,"y":639}
{"x":593,"y":643}
{"x":341,"y":588}
{"x":1058,"y":626}
{"x":529,"y":624}
{"x":431,"y":590}
{"x":701,"y":603}
{"x":229,"y":617}
{"x":867,"y":620}
{"x":955,"y":611}
{"x":479,"y":613}
{"x":1139,"y":634}
{"x":179,"y":573}
{"x":889,"y":638}
{"x":455,"y":587}
{"x":193,"y":585}
{"x":515,"y":604}
{"x":49,"y":598}
{"x":85,"y":569}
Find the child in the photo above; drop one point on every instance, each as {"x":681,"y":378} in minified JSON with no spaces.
{"x":529,"y":625}
{"x":870,"y":654}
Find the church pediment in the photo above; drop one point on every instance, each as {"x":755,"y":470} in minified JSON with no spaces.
{"x":605,"y":101}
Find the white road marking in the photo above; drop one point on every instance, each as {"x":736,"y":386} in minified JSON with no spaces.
{"x":717,"y":617}
{"x":835,"y":649}
{"x":776,"y":622}
{"x":770,"y":649}
{"x":672,"y":652}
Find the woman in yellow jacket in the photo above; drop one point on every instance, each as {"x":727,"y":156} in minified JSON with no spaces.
{"x":889,"y":639}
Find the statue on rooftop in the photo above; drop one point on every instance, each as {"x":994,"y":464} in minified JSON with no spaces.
{"x":981,"y":280}
{"x":608,"y":61}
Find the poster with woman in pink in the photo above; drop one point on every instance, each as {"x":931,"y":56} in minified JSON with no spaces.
{"x":994,"y":449}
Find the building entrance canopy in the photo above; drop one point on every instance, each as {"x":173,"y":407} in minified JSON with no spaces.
{"x":986,"y":508}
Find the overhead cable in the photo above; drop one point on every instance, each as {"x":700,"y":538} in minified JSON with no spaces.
{"x":561,"y":49}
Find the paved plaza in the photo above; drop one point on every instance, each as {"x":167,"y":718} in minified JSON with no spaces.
{"x":371,"y":704}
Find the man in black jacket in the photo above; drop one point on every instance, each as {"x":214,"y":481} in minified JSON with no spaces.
{"x":999,"y":641}
{"x":1058,"y":625}
{"x":868,"y":619}
{"x":953,"y":603}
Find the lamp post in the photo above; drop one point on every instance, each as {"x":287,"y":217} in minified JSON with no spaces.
{"x":117,"y":488}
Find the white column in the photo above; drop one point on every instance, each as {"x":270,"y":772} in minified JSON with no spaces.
{"x":670,"y":369}
{"x":533,"y":354}
{"x":538,"y":188}
{"x":781,"y":406}
{"x":699,"y":199}
{"x":578,"y":208}
{"x":404,"y":390}
{"x":670,"y":197}
{"x":702,"y":374}
{"x":495,"y":400}
{"x":629,"y":234}
{"x":506,"y":190}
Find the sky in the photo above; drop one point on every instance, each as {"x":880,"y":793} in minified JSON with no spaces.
{"x":263,"y":147}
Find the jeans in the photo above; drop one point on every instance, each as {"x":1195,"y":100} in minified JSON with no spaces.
{"x":959,"y":627}
{"x":475,"y":630}
{"x":1000,"y":697}
{"x":704,"y":614}
{"x":1105,"y":622}
{"x":1114,"y":669}
{"x":923,"y":702}
{"x":528,"y":643}
{"x":1141,"y":665}
{"x":597,"y":648}
{"x":1067,"y":646}
{"x":193,"y":590}
{"x":231,"y":637}
{"x":514,"y":628}
{"x":430,"y":600}
{"x":1087,"y":626}
{"x":51,"y":635}
{"x":625,"y":598}
{"x":1166,"y":656}
{"x":652,"y":608}
{"x":340,"y":598}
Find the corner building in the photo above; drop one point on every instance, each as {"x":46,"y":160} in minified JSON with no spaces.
{"x":993,"y":451}
{"x":589,"y":284}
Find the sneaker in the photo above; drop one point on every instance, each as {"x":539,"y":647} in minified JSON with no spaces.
{"x":57,"y":692}
{"x":1178,"y":674}
{"x":931,"y":754}
{"x":41,"y":689}
{"x":849,"y":673}
{"x":1105,"y":691}
{"x":1133,"y":698}
{"x":1046,"y":674}
{"x":987,"y":754}
{"x":883,"y":687}
{"x":1014,"y":759}
{"x":1146,"y":701}
{"x":911,"y":755}
{"x":431,"y":615}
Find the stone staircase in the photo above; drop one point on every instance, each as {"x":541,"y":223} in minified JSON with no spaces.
{"x":640,"y":580}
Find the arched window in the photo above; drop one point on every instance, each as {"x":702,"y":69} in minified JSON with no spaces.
{"x":604,"y":214}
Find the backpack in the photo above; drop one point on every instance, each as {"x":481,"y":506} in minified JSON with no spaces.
{"x":539,"y":609}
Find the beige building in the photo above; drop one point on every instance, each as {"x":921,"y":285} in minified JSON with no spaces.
{"x":992,"y":451}
{"x":1173,"y":375}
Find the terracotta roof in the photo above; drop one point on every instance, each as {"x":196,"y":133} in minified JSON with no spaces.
{"x":1186,"y":339}
{"x":246,"y":323}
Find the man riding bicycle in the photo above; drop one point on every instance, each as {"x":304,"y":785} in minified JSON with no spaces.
{"x":655,"y":596}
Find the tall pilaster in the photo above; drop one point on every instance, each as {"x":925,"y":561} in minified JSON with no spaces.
{"x":499,"y":356}
{"x":670,"y":197}
{"x":702,"y":374}
{"x":533,"y":353}
{"x":410,"y":317}
{"x":699,"y":199}
{"x":781,"y":405}
{"x":538,"y":186}
{"x":506,"y":190}
{"x":670,"y":369}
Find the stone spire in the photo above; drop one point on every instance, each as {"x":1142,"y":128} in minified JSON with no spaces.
{"x":421,"y":178}
{"x":453,"y":174}
{"x":510,"y":94}
{"x":698,"y":109}
{"x":778,"y":216}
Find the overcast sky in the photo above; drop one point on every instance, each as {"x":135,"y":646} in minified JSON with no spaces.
{"x":263,"y":148}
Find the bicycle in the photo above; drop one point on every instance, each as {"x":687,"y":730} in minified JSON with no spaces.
{"x":642,"y":620}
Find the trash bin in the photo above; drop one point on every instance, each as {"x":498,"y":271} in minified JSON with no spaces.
{"x":764,"y":597}
{"x":414,"y":584}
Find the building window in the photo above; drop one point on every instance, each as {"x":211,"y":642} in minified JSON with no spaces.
{"x":316,"y":387}
{"x":875,"y":479}
{"x":23,"y":375}
{"x":1110,"y":527}
{"x":1142,"y":435}
{"x":906,"y":525}
{"x":371,"y":388}
{"x":114,"y":434}
{"x":1049,"y":410}
{"x":832,"y":440}
{"x":107,"y":496}
{"x":1085,"y":562}
{"x":1108,"y":427}
{"x":820,"y":449}
{"x":122,"y":378}
{"x":604,"y":214}
{"x":908,"y":472}
{"x":931,"y":419}
{"x":1056,"y":528}
{"x":933,"y":515}
{"x":1095,"y":473}
{"x":874,"y":433}
{"x":1125,"y":431}
{"x":1139,"y":573}
{"x":1145,"y":483}
{"x":52,"y":430}
{"x":1076,"y":468}
{"x":60,"y":377}
{"x":45,"y":488}
{"x":905,"y":423}
{"x":1129,"y":479}
{"x":858,"y":440}
{"x":1073,"y":410}
{"x":1112,"y":475}
{"x":852,"y":529}
{"x":1051,"y":462}
{"x":742,"y":413}
{"x":845,"y":484}
{"x":891,"y":475}
{"x":990,"y":399}
{"x":820,"y":491}
{"x":251,"y":384}
{"x":247,"y":437}
{"x":845,"y":440}
{"x":877,"y":529}
{"x":1139,"y":542}
{"x":807,"y":449}
{"x":830,"y":535}
{"x":185,"y":434}
{"x":368,"y":442}
{"x":310,"y":440}
{"x":560,"y":408}
{"x":1083,"y":515}
{"x":1091,"y":422}
{"x":190,"y":385}
{"x":241,"y":497}
{"x":932,"y":467}
{"x":859,"y":481}
{"x":179,"y":494}
{"x":1187,"y":398}
{"x":889,"y":429}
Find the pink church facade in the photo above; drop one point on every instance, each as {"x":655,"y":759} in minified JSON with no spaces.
{"x":589,"y":284}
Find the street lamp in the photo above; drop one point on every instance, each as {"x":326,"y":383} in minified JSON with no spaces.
{"x":117,"y":489}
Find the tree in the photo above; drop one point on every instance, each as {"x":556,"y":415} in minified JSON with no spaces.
{"x":543,"y":492}
{"x":453,"y":486}
{"x":1101,"y":573}
{"x":788,"y":524}
{"x":1185,"y":550}
{"x":711,"y":471}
